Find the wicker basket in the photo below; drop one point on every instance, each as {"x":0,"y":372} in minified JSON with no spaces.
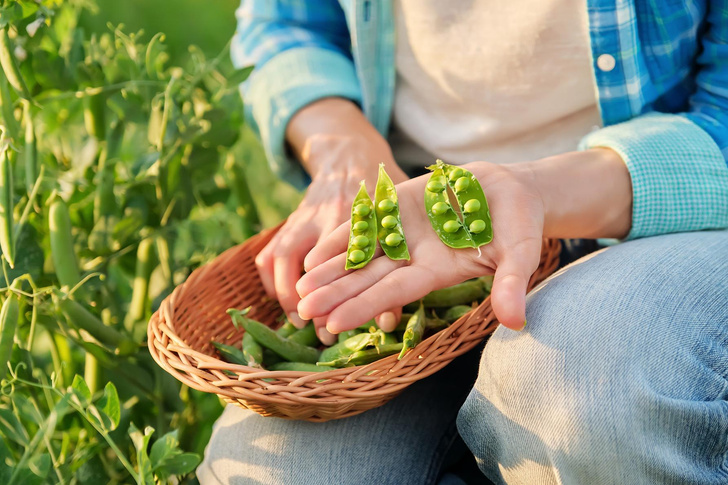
{"x":194,"y":314}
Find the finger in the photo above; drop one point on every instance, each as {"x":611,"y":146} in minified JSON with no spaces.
{"x":326,"y":337}
{"x":328,"y":247}
{"x":508,"y":295}
{"x":287,"y":263}
{"x":264,"y":263}
{"x":398,"y":288}
{"x":322,"y":275}
{"x":389,"y":320}
{"x":329,"y":295}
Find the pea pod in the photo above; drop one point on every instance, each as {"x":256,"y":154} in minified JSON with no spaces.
{"x":231,"y":354}
{"x":12,"y":129}
{"x":472,"y":201}
{"x":7,"y":237}
{"x":461,"y":294}
{"x":300,"y":367}
{"x":363,"y":232}
{"x":252,"y":351}
{"x":94,"y":115}
{"x":62,"y":252}
{"x":10,"y":67}
{"x":305,"y":336}
{"x":79,"y":317}
{"x":8,"y":323}
{"x":348,"y":334}
{"x":145,"y":264}
{"x":454,"y":313}
{"x":389,"y":223}
{"x":364,"y":357}
{"x":286,"y":329}
{"x":268,"y":338}
{"x":270,"y":358}
{"x":414,"y":331}
{"x":443,"y":218}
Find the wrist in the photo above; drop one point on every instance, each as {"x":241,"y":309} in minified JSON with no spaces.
{"x":585,"y":194}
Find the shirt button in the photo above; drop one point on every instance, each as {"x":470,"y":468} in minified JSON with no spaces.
{"x":606,"y":62}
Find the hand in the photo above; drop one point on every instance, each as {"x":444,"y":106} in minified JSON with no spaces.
{"x":350,"y":298}
{"x":338,"y":148}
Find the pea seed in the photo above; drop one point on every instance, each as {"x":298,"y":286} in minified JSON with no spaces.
{"x":360,"y":241}
{"x":462,"y":184}
{"x":356,"y":256}
{"x":473,"y":205}
{"x":477,"y":226}
{"x":455,"y":174}
{"x":362,"y":210}
{"x":393,"y":239}
{"x":361,"y":226}
{"x":451,"y":226}
{"x":435,"y":186}
{"x":386,"y":205}
{"x":440,"y":208}
{"x":389,"y":222}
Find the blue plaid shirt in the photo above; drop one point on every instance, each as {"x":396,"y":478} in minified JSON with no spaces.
{"x":661,"y":73}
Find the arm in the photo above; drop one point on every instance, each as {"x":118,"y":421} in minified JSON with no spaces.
{"x":677,"y":162}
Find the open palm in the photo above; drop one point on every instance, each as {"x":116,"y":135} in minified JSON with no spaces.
{"x":347,"y":299}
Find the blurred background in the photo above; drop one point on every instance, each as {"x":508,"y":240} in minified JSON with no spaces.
{"x":209,"y":26}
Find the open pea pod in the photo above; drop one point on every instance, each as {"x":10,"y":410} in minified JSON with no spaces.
{"x":473,"y":204}
{"x":470,"y":226}
{"x":389,"y":224}
{"x":363,"y":232}
{"x":443,"y":218}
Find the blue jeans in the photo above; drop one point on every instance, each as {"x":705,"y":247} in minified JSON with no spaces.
{"x":621,"y":376}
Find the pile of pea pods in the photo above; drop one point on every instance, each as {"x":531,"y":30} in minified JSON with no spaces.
{"x":290,"y":349}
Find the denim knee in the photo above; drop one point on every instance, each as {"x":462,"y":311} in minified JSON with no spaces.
{"x":620,"y":377}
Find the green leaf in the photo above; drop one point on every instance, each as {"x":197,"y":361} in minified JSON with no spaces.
{"x":141,"y":443}
{"x":178,"y":465}
{"x":164,"y":448}
{"x":11,"y":428}
{"x":36,"y":471}
{"x":81,"y":390}
{"x":240,"y":75}
{"x":109,"y":407}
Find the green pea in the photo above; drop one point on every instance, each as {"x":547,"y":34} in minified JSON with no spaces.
{"x":356,"y":256}
{"x":435,"y":186}
{"x":361,"y":226}
{"x":393,"y":240}
{"x":389,"y":222}
{"x":386,"y":205}
{"x":440,"y":208}
{"x":455,"y":174}
{"x":451,"y":226}
{"x":362,"y":210}
{"x":462,"y":184}
{"x":473,"y":205}
{"x":360,"y":242}
{"x":477,"y":226}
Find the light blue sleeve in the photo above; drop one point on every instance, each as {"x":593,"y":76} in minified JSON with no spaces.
{"x":301,"y":52}
{"x":677,"y":162}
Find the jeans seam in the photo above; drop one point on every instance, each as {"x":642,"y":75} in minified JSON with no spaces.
{"x":441,"y":450}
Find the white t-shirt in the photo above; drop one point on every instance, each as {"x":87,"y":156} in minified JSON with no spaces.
{"x":496,"y":80}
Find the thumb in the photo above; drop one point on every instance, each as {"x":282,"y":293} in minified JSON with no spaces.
{"x":508,"y":295}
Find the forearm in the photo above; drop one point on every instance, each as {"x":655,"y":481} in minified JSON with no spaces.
{"x":333,"y":134}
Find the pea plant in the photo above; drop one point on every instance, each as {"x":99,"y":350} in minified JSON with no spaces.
{"x":118,"y":176}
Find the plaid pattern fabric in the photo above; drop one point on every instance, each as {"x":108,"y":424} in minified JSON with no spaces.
{"x":661,"y":74}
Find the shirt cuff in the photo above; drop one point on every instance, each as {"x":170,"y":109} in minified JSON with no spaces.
{"x":286,"y":83}
{"x":679,"y":175}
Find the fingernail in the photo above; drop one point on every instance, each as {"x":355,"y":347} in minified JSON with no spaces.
{"x":387,"y":321}
{"x":297,"y":321}
{"x":326,"y":337}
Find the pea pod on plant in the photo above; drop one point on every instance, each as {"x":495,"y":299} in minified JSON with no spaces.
{"x":10,"y":67}
{"x":8,"y":322}
{"x":7,"y":236}
{"x":62,"y":252}
{"x":389,"y":223}
{"x":363,"y":232}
